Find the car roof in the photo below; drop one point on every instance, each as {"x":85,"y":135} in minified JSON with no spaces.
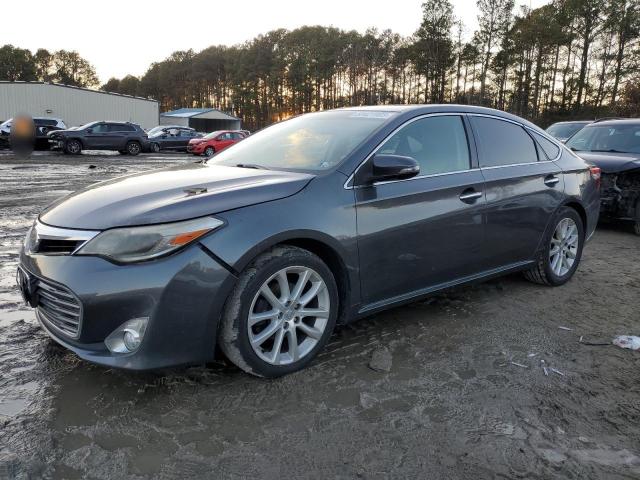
{"x":622,"y":121}
{"x":570,"y":122}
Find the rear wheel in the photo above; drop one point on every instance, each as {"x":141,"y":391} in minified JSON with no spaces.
{"x":133,"y":148}
{"x":562,"y":250}
{"x":209,"y":151}
{"x":281,"y":313}
{"x":73,"y":147}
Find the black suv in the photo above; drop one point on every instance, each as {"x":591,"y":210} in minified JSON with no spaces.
{"x":127,"y":138}
{"x":43,"y":126}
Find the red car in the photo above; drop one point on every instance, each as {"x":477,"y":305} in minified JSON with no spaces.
{"x":214,"y":142}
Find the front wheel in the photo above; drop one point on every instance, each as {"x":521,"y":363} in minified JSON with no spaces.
{"x":73,"y":147}
{"x":280,"y":314}
{"x":562,"y":250}
{"x":155,"y":148}
{"x":636,"y":219}
{"x":209,"y":151}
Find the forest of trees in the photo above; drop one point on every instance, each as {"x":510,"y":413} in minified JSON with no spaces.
{"x":566,"y":59}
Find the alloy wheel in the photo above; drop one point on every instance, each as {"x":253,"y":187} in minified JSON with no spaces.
{"x":133,"y":148}
{"x":564,"y":247}
{"x":288,"y":315}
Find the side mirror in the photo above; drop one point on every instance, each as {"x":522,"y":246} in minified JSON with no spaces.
{"x":89,"y":130}
{"x":392,"y":167}
{"x":164,"y":135}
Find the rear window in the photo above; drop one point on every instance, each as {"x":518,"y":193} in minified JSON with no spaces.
{"x":565,"y":130}
{"x":503,"y":143}
{"x":550,"y":149}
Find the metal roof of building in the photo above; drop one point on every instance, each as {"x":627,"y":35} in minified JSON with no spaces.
{"x":212,"y":113}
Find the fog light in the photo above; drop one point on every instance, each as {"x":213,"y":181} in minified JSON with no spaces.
{"x":128,"y":336}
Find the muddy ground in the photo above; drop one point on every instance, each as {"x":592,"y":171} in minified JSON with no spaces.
{"x":466,"y":395}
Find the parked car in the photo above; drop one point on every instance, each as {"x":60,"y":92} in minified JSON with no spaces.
{"x":125,"y":137}
{"x":214,"y":142}
{"x":317,"y":220}
{"x":172,"y":138}
{"x":614,"y":146}
{"x":43,"y":126}
{"x":563,"y":131}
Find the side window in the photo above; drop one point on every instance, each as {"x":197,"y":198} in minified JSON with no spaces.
{"x":120,"y":127}
{"x":438,"y":144}
{"x":550,"y":149}
{"x":100,"y":128}
{"x":503,"y":143}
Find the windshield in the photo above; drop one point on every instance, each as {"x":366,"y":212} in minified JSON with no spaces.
{"x":154,"y":131}
{"x":211,"y":135}
{"x":86,"y":125}
{"x":315,"y":142}
{"x":565,"y":130}
{"x":6,"y":123}
{"x":620,"y":138}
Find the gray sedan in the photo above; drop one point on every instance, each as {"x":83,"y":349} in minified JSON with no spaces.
{"x":318,"y":220}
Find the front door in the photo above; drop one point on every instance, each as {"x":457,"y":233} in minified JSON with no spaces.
{"x":426,"y":231}
{"x":97,"y":137}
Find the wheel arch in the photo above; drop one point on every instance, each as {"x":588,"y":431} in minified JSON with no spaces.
{"x":328,"y":249}
{"x":573,"y":203}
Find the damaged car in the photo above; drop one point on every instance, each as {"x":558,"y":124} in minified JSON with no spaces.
{"x":614,"y":146}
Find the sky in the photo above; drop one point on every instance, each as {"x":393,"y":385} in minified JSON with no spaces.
{"x":124,"y":37}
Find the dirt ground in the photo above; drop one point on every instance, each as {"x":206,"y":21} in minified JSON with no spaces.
{"x":465,"y":397}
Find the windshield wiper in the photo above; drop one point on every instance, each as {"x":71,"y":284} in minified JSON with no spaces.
{"x":251,"y":165}
{"x":610,"y":150}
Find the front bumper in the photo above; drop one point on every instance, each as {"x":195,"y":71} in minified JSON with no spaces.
{"x":56,"y":144}
{"x":183,"y":295}
{"x":196,"y":149}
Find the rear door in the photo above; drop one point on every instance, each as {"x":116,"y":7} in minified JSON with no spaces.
{"x":425,"y":231}
{"x":523,"y":188}
{"x":118,"y":134}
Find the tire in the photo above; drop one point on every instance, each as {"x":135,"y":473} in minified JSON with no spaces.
{"x":73,"y":147}
{"x":209,"y":151}
{"x":636,"y":219}
{"x":133,"y":148}
{"x":552,"y":269}
{"x":236,"y":335}
{"x":155,"y":148}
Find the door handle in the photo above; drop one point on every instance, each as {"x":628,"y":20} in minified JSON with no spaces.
{"x":470,"y":195}
{"x":551,"y":181}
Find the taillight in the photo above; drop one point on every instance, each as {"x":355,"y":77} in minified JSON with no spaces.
{"x":596,"y":174}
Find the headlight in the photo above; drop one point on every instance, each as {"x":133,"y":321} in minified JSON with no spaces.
{"x":136,"y":244}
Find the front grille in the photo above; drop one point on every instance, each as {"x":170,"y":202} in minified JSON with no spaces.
{"x":60,"y":247}
{"x":59,"y":307}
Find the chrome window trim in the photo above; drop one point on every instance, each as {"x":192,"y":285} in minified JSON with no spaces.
{"x":385,"y":139}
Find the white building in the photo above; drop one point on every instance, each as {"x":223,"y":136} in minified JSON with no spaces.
{"x":74,"y":105}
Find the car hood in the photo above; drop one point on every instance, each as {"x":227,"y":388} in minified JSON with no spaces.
{"x":170,"y":195}
{"x":54,"y":133}
{"x":612,"y":162}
